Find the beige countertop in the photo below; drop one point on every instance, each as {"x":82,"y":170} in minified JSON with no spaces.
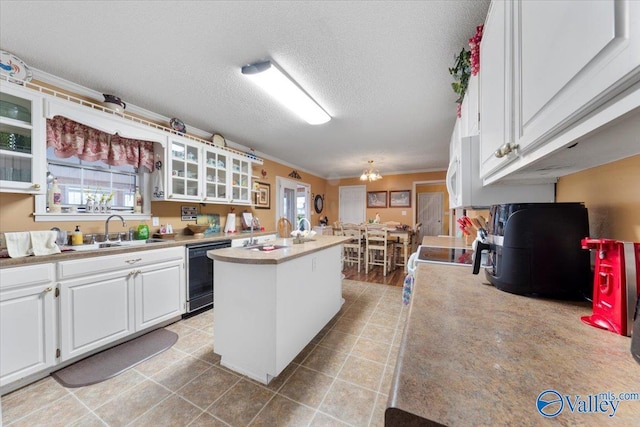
{"x":474,"y":355}
{"x":180,"y":240}
{"x":277,"y":256}
{"x":445,"y":242}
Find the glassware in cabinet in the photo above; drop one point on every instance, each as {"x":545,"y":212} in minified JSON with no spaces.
{"x":22,"y":164}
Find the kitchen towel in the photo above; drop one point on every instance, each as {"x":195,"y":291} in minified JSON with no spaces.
{"x":44,"y":242}
{"x":18,"y":244}
{"x":407,"y":288}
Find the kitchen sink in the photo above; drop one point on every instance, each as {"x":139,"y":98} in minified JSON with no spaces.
{"x":116,"y":244}
{"x":265,"y":247}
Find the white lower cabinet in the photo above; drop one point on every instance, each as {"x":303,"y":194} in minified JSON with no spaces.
{"x":95,"y":311}
{"x":159,"y":293}
{"x":27,"y":321}
{"x":130,"y":293}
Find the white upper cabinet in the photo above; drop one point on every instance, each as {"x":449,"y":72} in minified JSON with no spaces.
{"x":469,"y":111}
{"x":22,"y":140}
{"x":584,"y":55}
{"x":553,"y":73}
{"x":206,"y":173}
{"x":185,"y":169}
{"x":216,"y":176}
{"x":496,"y":87}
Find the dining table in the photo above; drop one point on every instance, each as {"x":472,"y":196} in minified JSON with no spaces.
{"x":394,"y":234}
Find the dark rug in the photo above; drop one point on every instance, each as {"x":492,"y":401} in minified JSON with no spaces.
{"x":109,"y":363}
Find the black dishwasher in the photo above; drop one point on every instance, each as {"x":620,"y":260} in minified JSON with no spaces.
{"x":200,"y":274}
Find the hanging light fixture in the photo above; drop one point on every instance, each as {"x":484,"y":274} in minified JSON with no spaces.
{"x":277,"y":84}
{"x":370,"y":174}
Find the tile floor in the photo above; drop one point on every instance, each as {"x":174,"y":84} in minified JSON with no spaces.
{"x":342,"y":378}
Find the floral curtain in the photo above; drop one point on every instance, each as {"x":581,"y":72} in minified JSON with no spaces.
{"x":69,"y":138}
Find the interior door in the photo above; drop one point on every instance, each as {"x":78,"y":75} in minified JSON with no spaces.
{"x":293,"y":200}
{"x":430,"y":214}
{"x":352,"y":207}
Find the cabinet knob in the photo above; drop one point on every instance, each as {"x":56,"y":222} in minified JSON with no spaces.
{"x":505,"y":149}
{"x":49,"y":289}
{"x":36,"y":186}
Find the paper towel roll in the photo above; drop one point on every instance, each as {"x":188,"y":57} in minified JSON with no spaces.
{"x":230,"y":226}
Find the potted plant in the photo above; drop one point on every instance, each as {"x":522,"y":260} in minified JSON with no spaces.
{"x":461,"y":71}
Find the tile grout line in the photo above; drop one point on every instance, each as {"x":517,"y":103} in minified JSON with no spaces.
{"x":345,"y":361}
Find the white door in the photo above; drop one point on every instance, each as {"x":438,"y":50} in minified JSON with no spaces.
{"x":352,"y":208}
{"x":293,"y":200}
{"x":430,"y":214}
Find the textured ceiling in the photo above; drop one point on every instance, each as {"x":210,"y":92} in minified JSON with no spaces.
{"x":380,"y":69}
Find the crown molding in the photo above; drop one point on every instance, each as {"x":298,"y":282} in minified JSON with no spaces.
{"x":64,"y":84}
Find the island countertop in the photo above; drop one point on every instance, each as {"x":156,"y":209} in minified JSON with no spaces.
{"x":474,"y":355}
{"x":288,"y":252}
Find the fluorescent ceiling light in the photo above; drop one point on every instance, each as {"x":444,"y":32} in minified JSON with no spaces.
{"x":277,"y":84}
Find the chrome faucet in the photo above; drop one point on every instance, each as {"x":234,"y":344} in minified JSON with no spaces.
{"x":106,"y":227}
{"x":251,"y":240}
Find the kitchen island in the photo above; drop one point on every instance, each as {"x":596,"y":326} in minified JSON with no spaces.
{"x":474,"y":355}
{"x":269,"y":304}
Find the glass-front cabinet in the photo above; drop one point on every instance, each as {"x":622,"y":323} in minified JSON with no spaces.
{"x":22,"y":140}
{"x":207,"y":173}
{"x":240,"y":180}
{"x":216,"y":176}
{"x":184,"y":169}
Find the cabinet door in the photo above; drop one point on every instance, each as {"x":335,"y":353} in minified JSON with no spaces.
{"x":22,"y":141}
{"x":216,"y":163}
{"x":160,"y":294}
{"x":27,"y":322}
{"x":95,"y":311}
{"x":469,"y":112}
{"x":496,"y":92}
{"x":240,"y":180}
{"x":185,"y":169}
{"x":583,"y":55}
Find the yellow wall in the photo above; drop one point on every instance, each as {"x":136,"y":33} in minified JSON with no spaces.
{"x":16,"y":209}
{"x":388,"y":182}
{"x":612,"y":195}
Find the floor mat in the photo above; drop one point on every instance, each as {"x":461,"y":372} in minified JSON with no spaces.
{"x":114,"y":361}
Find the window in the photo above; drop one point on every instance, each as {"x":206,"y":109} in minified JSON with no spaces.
{"x":81,"y":180}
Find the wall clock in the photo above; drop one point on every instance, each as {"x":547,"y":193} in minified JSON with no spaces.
{"x":318,"y":203}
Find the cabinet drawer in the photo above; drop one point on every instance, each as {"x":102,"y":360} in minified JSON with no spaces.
{"x":109,"y":263}
{"x":26,"y":276}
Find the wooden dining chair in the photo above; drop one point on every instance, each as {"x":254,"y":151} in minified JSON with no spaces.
{"x":402,"y":248}
{"x":378,"y":248}
{"x":284,"y":228}
{"x":352,"y":249}
{"x":416,"y":240}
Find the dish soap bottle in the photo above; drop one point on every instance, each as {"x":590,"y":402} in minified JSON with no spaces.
{"x":76,"y":237}
{"x":143,"y":232}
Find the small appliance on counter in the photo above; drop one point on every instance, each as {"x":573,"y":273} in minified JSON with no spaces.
{"x":535,"y":249}
{"x":616,"y":284}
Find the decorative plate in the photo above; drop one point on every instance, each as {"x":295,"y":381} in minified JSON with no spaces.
{"x":14,"y":67}
{"x":218,"y":140}
{"x":178,"y":126}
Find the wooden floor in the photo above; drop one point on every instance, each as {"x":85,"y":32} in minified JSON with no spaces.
{"x":393,"y":278}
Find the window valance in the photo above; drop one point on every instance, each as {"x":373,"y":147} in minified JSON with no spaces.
{"x":70,"y":138}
